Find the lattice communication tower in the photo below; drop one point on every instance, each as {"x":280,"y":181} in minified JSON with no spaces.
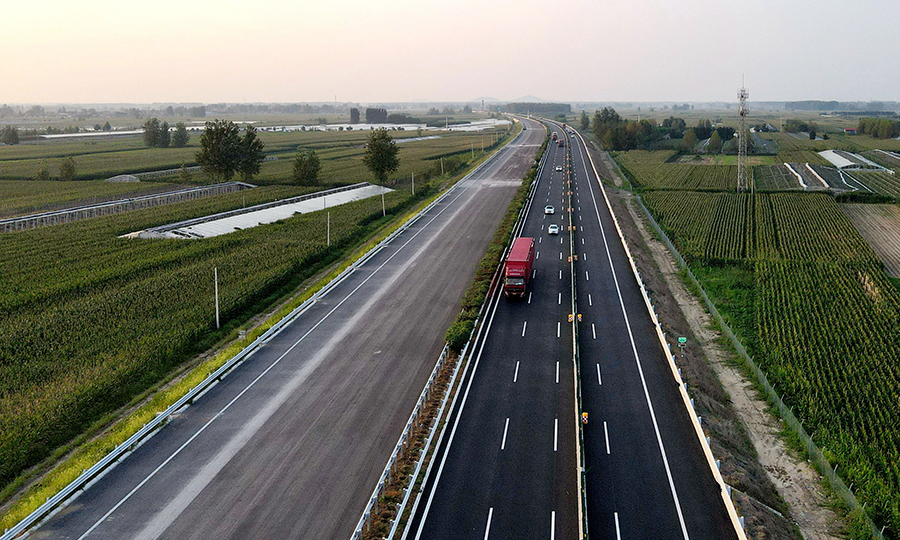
{"x":743,"y":181}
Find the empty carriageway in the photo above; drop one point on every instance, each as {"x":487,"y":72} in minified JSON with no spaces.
{"x":506,"y":467}
{"x":646,"y":474}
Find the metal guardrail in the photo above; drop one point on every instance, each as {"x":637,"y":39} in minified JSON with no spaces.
{"x":117,"y":453}
{"x":402,"y":445}
{"x":67,"y":215}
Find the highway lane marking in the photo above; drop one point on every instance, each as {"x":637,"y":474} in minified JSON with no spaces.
{"x":533,"y":273}
{"x":524,"y":326}
{"x":529,"y":294}
{"x":584,"y":256}
{"x":599,"y":379}
{"x":537,"y":255}
{"x":552,"y":525}
{"x":560,"y":274}
{"x":560,"y":240}
{"x":582,"y":241}
{"x":557,"y":372}
{"x":516,"y":374}
{"x":199,"y":481}
{"x":587,"y":277}
{"x":542,"y":227}
{"x":505,"y":430}
{"x":559,"y":299}
{"x":555,"y":432}
{"x":557,"y":328}
{"x":637,"y":359}
{"x":582,"y":228}
{"x":590,"y":301}
{"x":594,"y":330}
{"x":606,"y":436}
{"x":487,"y":530}
{"x":618,"y":534}
{"x":541,"y":238}
{"x":560,"y":255}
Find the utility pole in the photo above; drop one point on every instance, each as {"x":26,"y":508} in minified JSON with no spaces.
{"x":473,"y":150}
{"x":328,"y":229}
{"x":743,"y":180}
{"x":383,"y":211}
{"x":414,"y":184}
{"x":216,"y":281}
{"x":442,"y":165}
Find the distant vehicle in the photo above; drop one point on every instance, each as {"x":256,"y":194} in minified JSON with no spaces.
{"x":559,"y":168}
{"x":549,"y":209}
{"x":517,"y":269}
{"x":554,"y":136}
{"x":553,"y":229}
{"x":564,"y":126}
{"x":561,"y":142}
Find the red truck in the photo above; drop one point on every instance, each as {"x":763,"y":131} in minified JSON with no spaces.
{"x":517,"y":270}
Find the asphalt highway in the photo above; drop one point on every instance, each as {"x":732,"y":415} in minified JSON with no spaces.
{"x":291,"y":443}
{"x":510,"y":468}
{"x":498,"y":472}
{"x":646,"y":475}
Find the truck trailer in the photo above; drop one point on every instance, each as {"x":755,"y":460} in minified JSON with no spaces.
{"x":517,"y":269}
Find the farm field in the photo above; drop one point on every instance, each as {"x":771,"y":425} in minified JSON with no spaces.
{"x":879,"y":224}
{"x":812,"y":303}
{"x":93,"y":319}
{"x":25,"y":197}
{"x":650,"y":170}
{"x":880,"y":182}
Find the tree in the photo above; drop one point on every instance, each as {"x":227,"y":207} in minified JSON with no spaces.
{"x":585,"y":121}
{"x":251,"y":154}
{"x":306,"y":168}
{"x":812,"y":134}
{"x":715,"y":143}
{"x":703,"y":129}
{"x":180,"y":138}
{"x":381,"y":155}
{"x":467,"y":109}
{"x":107,"y":127}
{"x":67,"y":169}
{"x":220,"y":147}
{"x":9,"y":135}
{"x":151,"y":132}
{"x":185,"y":175}
{"x":163,"y":138}
{"x":689,"y":143}
{"x":43,"y":173}
{"x":354,"y":115}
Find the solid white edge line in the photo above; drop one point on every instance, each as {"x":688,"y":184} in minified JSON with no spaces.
{"x":637,"y":359}
{"x":505,"y":430}
{"x":487,"y":529}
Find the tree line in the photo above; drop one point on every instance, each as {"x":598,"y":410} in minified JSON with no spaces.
{"x":879,"y":128}
{"x":158,"y":134}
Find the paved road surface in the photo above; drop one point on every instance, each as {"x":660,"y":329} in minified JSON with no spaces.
{"x":290,"y":445}
{"x":511,"y":468}
{"x":503,"y":475}
{"x":646,"y":476}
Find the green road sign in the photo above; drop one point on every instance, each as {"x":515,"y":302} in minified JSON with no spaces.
{"x":682,"y":340}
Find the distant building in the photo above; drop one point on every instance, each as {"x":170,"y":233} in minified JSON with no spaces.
{"x":850,"y":131}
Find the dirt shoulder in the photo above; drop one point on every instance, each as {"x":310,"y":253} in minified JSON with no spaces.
{"x":779,"y":495}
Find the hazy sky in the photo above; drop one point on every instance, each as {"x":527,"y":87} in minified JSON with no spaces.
{"x":452,"y":50}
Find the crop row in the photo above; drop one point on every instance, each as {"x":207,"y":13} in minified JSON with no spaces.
{"x":880,"y":182}
{"x":828,"y":341}
{"x":678,"y":176}
{"x":89,"y":319}
{"x":21,"y":196}
{"x":774,"y":178}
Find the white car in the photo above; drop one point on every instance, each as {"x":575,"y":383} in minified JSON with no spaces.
{"x":553,"y":229}
{"x":549,"y":209}
{"x":559,"y":168}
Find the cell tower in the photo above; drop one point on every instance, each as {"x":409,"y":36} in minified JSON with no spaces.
{"x":743,"y":182}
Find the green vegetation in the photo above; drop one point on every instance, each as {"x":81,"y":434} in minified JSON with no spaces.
{"x":811,"y":302}
{"x":650,"y":170}
{"x":92,"y":319}
{"x":381,"y":155}
{"x":306,"y":168}
{"x":23,"y":197}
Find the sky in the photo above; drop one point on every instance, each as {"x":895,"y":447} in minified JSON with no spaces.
{"x":366,"y":51}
